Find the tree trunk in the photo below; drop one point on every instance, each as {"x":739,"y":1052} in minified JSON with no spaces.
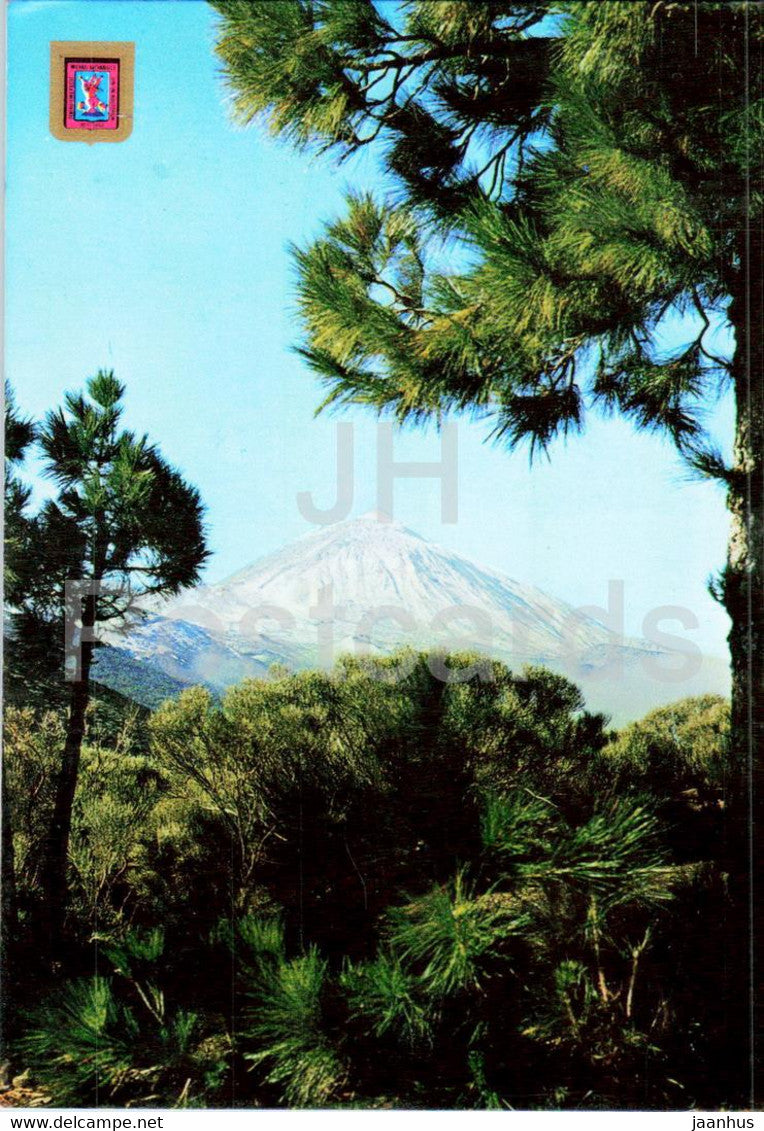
{"x":8,"y":932}
{"x":744,"y":601}
{"x":55,"y":881}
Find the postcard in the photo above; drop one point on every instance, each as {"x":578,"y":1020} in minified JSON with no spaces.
{"x":382,"y":691}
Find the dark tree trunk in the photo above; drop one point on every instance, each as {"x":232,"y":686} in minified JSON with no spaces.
{"x":744,"y":600}
{"x":55,"y":873}
{"x":8,"y":933}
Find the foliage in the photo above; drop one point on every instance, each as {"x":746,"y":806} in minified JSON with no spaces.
{"x":450,"y":934}
{"x":124,"y":524}
{"x":31,"y":750}
{"x":136,"y":680}
{"x":32,"y":649}
{"x":284,"y":1026}
{"x":113,"y":814}
{"x":19,"y":435}
{"x":124,"y":517}
{"x":115,"y":1040}
{"x":580,"y":171}
{"x":385,"y":997}
{"x":379,"y":887}
{"x":115,"y":803}
{"x":370,"y":888}
{"x":681,"y":748}
{"x":290,"y":768}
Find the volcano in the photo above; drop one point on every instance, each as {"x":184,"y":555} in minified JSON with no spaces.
{"x":368,"y":586}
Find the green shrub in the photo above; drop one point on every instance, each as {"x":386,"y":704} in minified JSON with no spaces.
{"x":386,"y":999}
{"x":284,"y":1033}
{"x":379,"y":892}
{"x":676,"y":749}
{"x":87,"y":1047}
{"x":114,"y":1041}
{"x":452,"y":933}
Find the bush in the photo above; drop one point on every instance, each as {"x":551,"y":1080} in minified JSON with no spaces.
{"x":114,"y":1041}
{"x":374,"y":888}
{"x":677,"y":750}
{"x":283,"y":1032}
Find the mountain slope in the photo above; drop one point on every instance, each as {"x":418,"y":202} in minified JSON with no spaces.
{"x":375,"y":581}
{"x":368,"y":585}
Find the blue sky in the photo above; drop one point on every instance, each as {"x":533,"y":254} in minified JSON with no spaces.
{"x":165,"y":258}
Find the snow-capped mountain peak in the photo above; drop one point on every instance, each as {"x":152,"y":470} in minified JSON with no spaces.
{"x":370,"y":584}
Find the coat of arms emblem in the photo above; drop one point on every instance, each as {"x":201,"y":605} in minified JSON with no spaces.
{"x":91,"y":91}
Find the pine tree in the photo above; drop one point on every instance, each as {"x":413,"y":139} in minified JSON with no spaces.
{"x":125,"y":524}
{"x":19,"y":434}
{"x":594,"y":172}
{"x":33,"y":645}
